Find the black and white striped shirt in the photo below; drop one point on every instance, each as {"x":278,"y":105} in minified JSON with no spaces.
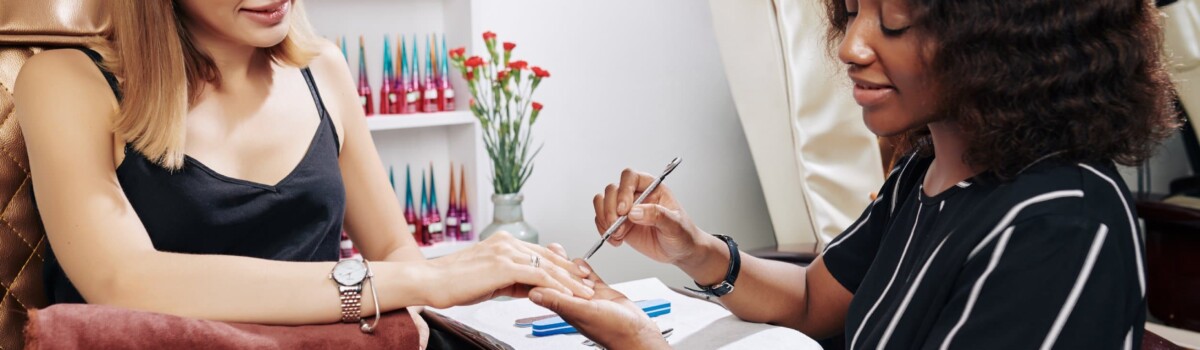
{"x":1050,"y":259}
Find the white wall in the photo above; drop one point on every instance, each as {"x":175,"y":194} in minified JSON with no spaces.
{"x":634,"y":84}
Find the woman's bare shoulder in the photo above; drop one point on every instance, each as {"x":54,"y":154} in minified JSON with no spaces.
{"x":61,"y":80}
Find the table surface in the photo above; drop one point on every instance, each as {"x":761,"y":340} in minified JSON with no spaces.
{"x":697,"y":324}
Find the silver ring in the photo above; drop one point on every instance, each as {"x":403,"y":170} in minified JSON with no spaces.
{"x":535,"y":260}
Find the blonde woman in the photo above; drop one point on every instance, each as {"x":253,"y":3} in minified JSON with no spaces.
{"x":207,"y":169}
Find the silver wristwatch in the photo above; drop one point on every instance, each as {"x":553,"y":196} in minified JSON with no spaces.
{"x":350,"y":274}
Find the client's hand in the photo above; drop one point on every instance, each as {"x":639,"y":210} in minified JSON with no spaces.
{"x":501,"y":266}
{"x":658,"y":228}
{"x":608,"y":319}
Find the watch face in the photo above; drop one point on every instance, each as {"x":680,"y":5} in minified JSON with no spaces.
{"x":349,"y":272}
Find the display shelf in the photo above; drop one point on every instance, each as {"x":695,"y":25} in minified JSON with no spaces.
{"x":412,"y":121}
{"x":445,"y":248}
{"x":422,"y":141}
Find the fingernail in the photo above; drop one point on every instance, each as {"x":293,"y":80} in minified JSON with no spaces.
{"x":535,"y":296}
{"x":589,"y":292}
{"x":588,"y":283}
{"x":585,"y":269}
{"x":621,"y":206}
{"x":636,"y":214}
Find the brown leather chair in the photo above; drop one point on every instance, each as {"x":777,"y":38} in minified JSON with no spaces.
{"x":26,"y":28}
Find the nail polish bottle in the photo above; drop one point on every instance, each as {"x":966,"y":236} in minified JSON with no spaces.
{"x":437,"y":229}
{"x":345,"y":247}
{"x":452,"y":231}
{"x":386,"y":95}
{"x":422,"y":218}
{"x":413,"y":98}
{"x":364,"y":86}
{"x":398,"y":77}
{"x":428,"y":86}
{"x":345,"y":54}
{"x":410,"y":213}
{"x":445,"y":91}
{"x":464,"y":207}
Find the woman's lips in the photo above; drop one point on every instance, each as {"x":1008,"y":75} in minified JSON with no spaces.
{"x":868,"y":95}
{"x":270,"y":15}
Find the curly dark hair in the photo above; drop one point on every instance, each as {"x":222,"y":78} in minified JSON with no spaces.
{"x":1027,"y":78}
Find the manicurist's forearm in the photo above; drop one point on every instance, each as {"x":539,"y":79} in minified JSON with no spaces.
{"x":765,"y":291}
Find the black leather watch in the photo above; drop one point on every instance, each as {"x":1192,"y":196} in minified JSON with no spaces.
{"x":735,"y":266}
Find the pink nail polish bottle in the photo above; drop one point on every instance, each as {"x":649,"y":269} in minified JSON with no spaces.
{"x":452,"y":229}
{"x":464,"y":211}
{"x":437,"y":229}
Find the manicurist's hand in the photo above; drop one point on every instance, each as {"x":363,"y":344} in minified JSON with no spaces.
{"x":609,"y":318}
{"x":658,"y":228}
{"x":501,"y":266}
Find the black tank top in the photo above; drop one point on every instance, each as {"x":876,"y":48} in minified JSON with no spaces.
{"x":196,"y":210}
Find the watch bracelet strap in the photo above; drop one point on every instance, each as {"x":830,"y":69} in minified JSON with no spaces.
{"x":731,"y":274}
{"x":351,"y":304}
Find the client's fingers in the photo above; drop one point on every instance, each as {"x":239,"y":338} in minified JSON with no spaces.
{"x":556,"y":258}
{"x":558,"y":268}
{"x":584,"y":265}
{"x":538,"y":277}
{"x":557,"y":249}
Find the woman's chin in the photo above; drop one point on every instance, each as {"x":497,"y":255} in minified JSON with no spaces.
{"x":883,"y":126}
{"x":265,"y":39}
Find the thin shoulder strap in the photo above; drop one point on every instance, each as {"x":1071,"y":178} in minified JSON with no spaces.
{"x":98,"y":60}
{"x":324,"y":113}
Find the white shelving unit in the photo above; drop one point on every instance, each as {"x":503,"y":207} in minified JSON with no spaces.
{"x":421,"y":141}
{"x":411,"y":121}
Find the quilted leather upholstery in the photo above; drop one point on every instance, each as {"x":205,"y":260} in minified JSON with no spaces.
{"x":22,"y":239}
{"x":26,"y":28}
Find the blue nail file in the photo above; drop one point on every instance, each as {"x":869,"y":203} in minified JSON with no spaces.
{"x":556,"y":325}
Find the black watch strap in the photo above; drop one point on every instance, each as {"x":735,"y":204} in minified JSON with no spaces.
{"x":735,"y":266}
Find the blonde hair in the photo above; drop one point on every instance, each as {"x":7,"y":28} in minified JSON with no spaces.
{"x":162,"y":72}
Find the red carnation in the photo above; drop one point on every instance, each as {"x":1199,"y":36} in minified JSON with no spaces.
{"x":509,"y":46}
{"x":474,"y":61}
{"x":537,"y":106}
{"x":488,"y":36}
{"x":540,"y":73}
{"x":471,"y":76}
{"x":459,"y":52}
{"x":500,"y":76}
{"x":518,"y":65}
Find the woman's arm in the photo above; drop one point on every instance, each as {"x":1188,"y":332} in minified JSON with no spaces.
{"x":106,"y":252}
{"x":374,"y":218}
{"x":806,"y":299}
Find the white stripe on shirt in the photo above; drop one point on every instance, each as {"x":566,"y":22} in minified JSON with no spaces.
{"x":893,"y":279}
{"x":908,"y":297}
{"x":1012,"y":214}
{"x":978,"y":287}
{"x":1080,"y":280}
{"x":847,"y":235}
{"x":1137,"y":248}
{"x":896,"y":186}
